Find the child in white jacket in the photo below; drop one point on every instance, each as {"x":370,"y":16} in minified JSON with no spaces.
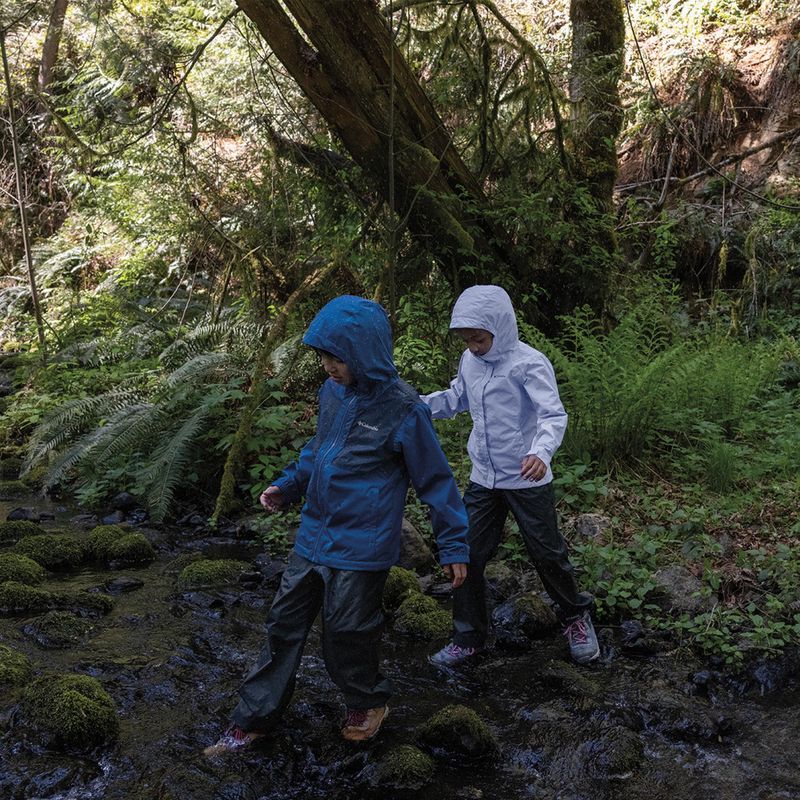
{"x":518,"y":423}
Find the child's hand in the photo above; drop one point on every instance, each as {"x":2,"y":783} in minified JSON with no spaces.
{"x":457,"y":573}
{"x":533,"y":468}
{"x":272,"y":499}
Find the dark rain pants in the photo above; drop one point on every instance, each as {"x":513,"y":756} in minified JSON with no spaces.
{"x":352,"y":624}
{"x":535,"y":512}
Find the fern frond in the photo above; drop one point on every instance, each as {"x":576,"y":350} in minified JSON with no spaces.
{"x":197,"y":368}
{"x":128,"y":430}
{"x":79,"y":451}
{"x":169,"y":464}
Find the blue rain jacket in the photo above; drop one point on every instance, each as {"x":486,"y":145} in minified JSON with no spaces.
{"x":372,"y":438}
{"x":510,"y":392}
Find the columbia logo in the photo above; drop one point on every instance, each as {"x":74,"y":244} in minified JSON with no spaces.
{"x":371,"y":427}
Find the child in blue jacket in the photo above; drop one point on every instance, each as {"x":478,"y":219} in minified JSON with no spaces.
{"x":518,"y":423}
{"x":373,"y":436}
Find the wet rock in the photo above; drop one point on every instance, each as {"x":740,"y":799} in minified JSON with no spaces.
{"x":46,"y":516}
{"x":58,"y":778}
{"x":403,"y":768}
{"x":12,"y":531}
{"x":457,"y":732}
{"x":15,"y":567}
{"x":116,"y":546}
{"x":632,"y":630}
{"x":251,"y":578}
{"x":74,"y":710}
{"x":53,"y":551}
{"x":522,"y":620}
{"x":572,"y":682}
{"x":207,"y":573}
{"x":415,"y":554}
{"x":501,"y":580}
{"x":123,"y":584}
{"x":23,"y":513}
{"x":58,"y":630}
{"x":400,"y":584}
{"x":176,"y":566}
{"x":195,"y":520}
{"x":113,"y":519}
{"x":637,"y":640}
{"x":679,"y":591}
{"x":422,"y":617}
{"x":15,"y":667}
{"x":592,"y":526}
{"x":124,"y":501}
{"x":682,"y":717}
{"x":84,"y":521}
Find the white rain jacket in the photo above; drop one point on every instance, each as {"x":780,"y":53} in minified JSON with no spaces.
{"x":510,"y":392}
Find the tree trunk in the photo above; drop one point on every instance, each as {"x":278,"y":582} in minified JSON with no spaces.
{"x":363,"y":87}
{"x":598,"y":40}
{"x":23,"y":212}
{"x":51,"y":44}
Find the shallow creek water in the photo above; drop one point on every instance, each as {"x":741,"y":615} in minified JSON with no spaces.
{"x":172,"y":661}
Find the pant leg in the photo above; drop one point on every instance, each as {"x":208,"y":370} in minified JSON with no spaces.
{"x":487,"y":513}
{"x":352,"y":625}
{"x":535,"y":512}
{"x":267,"y":689}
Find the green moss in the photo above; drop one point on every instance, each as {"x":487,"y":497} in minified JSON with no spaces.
{"x":11,"y":532}
{"x":177,"y":565}
{"x":90,"y":603}
{"x":101,"y":539}
{"x":457,"y":732}
{"x":10,"y":467}
{"x":12,"y":490}
{"x":74,"y":709}
{"x":133,"y":548}
{"x":18,"y":598}
{"x":15,"y":567}
{"x":420,"y":615}
{"x":52,"y":551}
{"x":399,"y":585}
{"x":208,"y":572}
{"x":404,"y":767}
{"x":59,"y":629}
{"x":15,"y":667}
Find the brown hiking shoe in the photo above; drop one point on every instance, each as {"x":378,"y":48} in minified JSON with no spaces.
{"x":363,"y":723}
{"x":232,"y":741}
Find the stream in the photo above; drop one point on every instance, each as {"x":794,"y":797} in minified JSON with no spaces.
{"x":645,"y":722}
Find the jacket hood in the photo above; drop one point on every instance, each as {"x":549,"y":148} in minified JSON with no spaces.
{"x":355,"y":331}
{"x":488,"y":308}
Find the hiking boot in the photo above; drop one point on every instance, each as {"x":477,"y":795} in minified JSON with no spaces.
{"x":363,"y":723}
{"x":452,"y":654}
{"x":232,"y":741}
{"x":582,"y":639}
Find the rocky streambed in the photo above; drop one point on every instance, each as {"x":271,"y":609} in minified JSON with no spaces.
{"x":167,"y":638}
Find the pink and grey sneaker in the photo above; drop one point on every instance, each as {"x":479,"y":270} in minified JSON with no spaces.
{"x":232,"y":741}
{"x":583,"y":645}
{"x":452,"y":654}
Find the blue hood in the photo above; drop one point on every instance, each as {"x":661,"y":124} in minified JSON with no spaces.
{"x":355,"y":331}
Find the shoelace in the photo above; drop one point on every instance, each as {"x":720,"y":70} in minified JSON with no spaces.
{"x":456,"y":650}
{"x":356,"y":717}
{"x":237,"y":734}
{"x":576,"y":631}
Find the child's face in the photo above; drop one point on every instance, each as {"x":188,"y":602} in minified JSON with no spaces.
{"x":477,"y":340}
{"x":337,"y":370}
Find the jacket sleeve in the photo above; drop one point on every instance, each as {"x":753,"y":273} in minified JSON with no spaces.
{"x":449,"y":402}
{"x":434,"y":484}
{"x":293,"y":481}
{"x":540,"y":386}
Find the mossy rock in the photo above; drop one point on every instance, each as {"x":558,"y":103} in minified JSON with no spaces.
{"x":13,"y":530}
{"x":403,"y":768}
{"x":15,"y":667}
{"x":53,"y":551}
{"x":101,"y":539}
{"x":615,"y":752}
{"x":58,"y":630}
{"x":17,"y":598}
{"x":457,"y":732}
{"x":74,"y":710}
{"x":13,"y":490}
{"x":208,"y":573}
{"x":133,"y":548}
{"x":177,"y":565}
{"x":85,"y":604}
{"x":34,"y":477}
{"x":10,"y":468}
{"x":421,"y":616}
{"x":19,"y":568}
{"x":399,"y":585}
